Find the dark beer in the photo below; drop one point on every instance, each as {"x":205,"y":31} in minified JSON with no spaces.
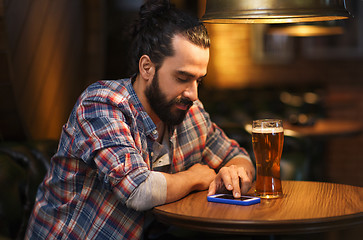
{"x":267,"y":146}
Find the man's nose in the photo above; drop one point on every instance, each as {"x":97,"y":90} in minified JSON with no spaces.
{"x":192,"y":91}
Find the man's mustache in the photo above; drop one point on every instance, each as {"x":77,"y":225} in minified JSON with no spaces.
{"x":184,"y":101}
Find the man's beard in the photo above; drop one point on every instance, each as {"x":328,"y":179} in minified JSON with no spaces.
{"x":164,"y":108}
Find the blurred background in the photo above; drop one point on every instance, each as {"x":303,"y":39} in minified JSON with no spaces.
{"x":51,"y":50}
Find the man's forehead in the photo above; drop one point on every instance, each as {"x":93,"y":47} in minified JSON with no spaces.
{"x":188,"y":59}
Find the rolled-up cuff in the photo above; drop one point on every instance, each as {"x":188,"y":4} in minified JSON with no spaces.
{"x":152,"y":192}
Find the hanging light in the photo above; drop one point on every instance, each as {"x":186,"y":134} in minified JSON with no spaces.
{"x":274,"y":11}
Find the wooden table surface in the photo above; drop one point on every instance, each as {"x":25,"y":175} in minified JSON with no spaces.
{"x":307,"y":207}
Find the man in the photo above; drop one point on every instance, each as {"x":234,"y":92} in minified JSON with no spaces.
{"x":133,"y":144}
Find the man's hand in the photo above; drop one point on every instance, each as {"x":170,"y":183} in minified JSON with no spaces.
{"x":237,"y":176}
{"x":203,"y":174}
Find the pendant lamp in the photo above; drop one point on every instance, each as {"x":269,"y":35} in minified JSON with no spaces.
{"x":274,"y":11}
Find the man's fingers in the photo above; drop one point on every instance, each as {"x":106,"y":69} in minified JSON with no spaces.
{"x":225,"y":177}
{"x":232,"y":178}
{"x":212,"y":188}
{"x":235,"y":181}
{"x":246,"y":181}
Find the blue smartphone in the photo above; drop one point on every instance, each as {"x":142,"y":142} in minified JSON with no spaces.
{"x":229,"y":199}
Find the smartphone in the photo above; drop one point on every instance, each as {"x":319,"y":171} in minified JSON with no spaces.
{"x":229,"y":199}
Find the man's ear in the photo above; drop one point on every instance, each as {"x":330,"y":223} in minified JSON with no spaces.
{"x":146,"y":67}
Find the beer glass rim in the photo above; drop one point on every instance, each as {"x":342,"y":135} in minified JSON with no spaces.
{"x":268,"y":120}
{"x":267,"y":123}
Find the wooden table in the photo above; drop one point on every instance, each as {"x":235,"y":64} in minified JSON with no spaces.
{"x":307,"y":207}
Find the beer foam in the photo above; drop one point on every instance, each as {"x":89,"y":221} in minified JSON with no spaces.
{"x":267,"y":130}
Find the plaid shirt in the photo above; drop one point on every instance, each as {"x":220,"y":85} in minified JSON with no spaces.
{"x":104,"y":154}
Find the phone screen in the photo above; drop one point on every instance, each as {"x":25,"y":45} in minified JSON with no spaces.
{"x":228,"y":196}
{"x":229,"y":199}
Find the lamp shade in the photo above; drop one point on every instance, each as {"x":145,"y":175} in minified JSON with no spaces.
{"x":273,"y":11}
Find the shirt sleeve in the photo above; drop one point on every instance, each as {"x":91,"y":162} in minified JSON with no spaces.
{"x":102,"y":131}
{"x":219,"y":148}
{"x":147,"y":195}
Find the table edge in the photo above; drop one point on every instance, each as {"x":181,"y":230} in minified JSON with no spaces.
{"x":260,"y":227}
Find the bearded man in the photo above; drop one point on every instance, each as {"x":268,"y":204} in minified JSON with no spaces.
{"x":139,"y":142}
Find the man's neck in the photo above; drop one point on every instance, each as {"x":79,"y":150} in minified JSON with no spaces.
{"x":160,"y":127}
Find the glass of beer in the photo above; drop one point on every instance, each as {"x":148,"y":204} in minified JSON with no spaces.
{"x":267,"y":141}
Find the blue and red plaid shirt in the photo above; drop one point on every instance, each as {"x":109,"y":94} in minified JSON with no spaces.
{"x":104,"y":155}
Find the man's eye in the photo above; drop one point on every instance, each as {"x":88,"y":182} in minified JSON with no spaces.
{"x":182,"y":80}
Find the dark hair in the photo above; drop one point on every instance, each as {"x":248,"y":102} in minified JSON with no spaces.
{"x":159,"y":21}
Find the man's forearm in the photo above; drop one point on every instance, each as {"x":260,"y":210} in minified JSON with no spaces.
{"x":178,"y":185}
{"x":196,"y":178}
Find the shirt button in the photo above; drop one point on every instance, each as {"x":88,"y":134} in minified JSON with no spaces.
{"x":155,"y":132}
